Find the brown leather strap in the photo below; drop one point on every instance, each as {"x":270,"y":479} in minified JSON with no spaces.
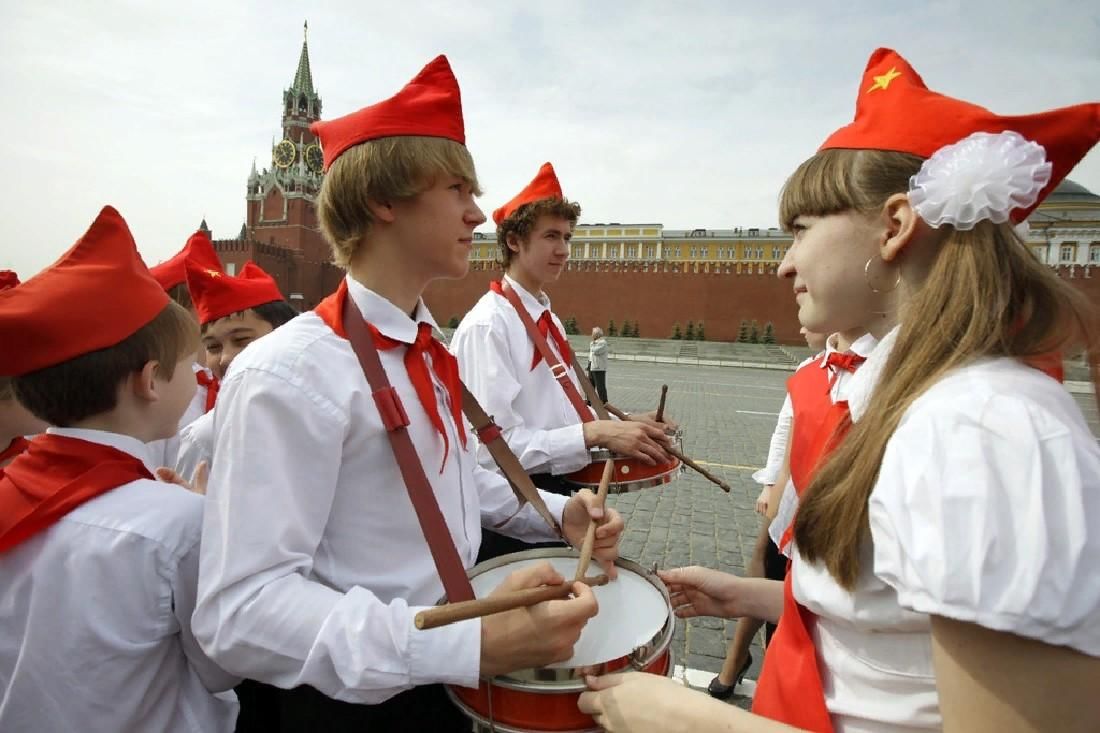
{"x":448,"y":564}
{"x":559,"y":371}
{"x":590,"y":391}
{"x":489,"y":434}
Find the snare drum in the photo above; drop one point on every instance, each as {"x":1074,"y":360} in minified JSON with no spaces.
{"x":631,"y":474}
{"x":632,"y":631}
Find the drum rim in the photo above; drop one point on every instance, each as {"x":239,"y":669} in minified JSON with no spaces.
{"x":571,"y":679}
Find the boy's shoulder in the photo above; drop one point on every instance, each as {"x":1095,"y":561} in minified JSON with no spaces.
{"x":146,"y":511}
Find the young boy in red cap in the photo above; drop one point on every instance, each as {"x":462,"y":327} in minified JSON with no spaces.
{"x":314,"y":560}
{"x":98,"y":561}
{"x":537,"y":404}
{"x":16,"y":421}
{"x":172,"y":276}
{"x":232,"y":313}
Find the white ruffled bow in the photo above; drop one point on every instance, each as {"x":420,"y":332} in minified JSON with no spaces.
{"x":983,"y":176}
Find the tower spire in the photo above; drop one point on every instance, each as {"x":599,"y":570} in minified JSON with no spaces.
{"x":303,"y":77}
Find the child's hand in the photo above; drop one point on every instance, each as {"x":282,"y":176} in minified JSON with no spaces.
{"x":197,"y":483}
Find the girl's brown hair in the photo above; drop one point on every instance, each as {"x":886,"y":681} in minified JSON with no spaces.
{"x":387,"y":169}
{"x":986,"y":295}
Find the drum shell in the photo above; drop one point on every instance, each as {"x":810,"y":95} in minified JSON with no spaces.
{"x":545,"y":699}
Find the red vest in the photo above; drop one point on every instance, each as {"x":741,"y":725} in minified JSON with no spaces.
{"x":790,"y":688}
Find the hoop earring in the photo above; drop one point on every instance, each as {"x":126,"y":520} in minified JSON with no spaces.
{"x":867,"y":278}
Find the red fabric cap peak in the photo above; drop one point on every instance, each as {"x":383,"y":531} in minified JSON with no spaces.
{"x":217,"y":295}
{"x":173,"y":272}
{"x":430,"y":105}
{"x":544,"y":186}
{"x":896,"y":111}
{"x":8,"y":279}
{"x":96,"y":295}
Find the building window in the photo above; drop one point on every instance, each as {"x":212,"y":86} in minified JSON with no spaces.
{"x":1067,"y":252}
{"x":577,"y":251}
{"x":231,"y":268}
{"x":759,"y":253}
{"x":631,"y":252}
{"x":775,"y":253}
{"x":613,"y":252}
{"x":1040,"y":253}
{"x":1094,"y":253}
{"x":650,"y":252}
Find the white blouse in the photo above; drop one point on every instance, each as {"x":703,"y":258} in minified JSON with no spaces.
{"x":986,"y":510}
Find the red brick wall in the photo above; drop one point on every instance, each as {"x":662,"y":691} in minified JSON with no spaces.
{"x":654,"y":300}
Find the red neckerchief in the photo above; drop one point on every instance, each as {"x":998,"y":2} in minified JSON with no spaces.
{"x":444,"y":364}
{"x":212,"y":385}
{"x":17,"y":445}
{"x":55,"y":475}
{"x":547,"y":328}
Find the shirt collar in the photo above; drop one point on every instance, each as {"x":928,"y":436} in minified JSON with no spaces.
{"x":390,"y":320}
{"x":125,"y":443}
{"x":862,"y":346}
{"x":535,"y":304}
{"x":865,"y":380}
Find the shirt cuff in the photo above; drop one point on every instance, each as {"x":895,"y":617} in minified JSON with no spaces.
{"x":449,"y":654}
{"x":568,"y":452}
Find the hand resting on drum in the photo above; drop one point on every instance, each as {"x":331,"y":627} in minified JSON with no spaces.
{"x":650,"y":418}
{"x":537,"y":635}
{"x":631,"y":438}
{"x":583,"y":507}
{"x":699,"y":591}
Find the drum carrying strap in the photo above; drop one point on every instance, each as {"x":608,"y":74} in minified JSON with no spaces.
{"x":590,"y":391}
{"x":444,"y":553}
{"x":488,"y":432}
{"x":559,"y":371}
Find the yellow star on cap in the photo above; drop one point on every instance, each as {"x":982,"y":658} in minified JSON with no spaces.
{"x":213,"y":273}
{"x":883,"y":80}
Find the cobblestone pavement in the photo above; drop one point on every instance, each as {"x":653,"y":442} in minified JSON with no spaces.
{"x":727,"y":415}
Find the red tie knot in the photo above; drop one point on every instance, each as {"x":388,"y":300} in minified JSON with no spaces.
{"x":847,"y":361}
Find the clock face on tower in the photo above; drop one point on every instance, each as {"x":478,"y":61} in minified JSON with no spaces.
{"x":284,"y":154}
{"x":315,"y":159}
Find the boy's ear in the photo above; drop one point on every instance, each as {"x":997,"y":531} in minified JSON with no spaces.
{"x":144,"y":382}
{"x":381,"y":210}
{"x":513,"y":241}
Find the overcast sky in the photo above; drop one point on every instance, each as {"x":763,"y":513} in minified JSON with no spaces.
{"x":690,"y":114}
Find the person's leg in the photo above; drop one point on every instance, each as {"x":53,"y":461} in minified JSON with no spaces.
{"x":775,"y":568}
{"x":599,"y":379}
{"x":738,"y":659}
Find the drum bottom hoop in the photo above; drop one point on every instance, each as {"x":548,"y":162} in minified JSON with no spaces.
{"x":627,"y":487}
{"x":509,"y":719}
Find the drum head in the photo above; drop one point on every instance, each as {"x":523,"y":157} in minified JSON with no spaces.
{"x":632,"y":610}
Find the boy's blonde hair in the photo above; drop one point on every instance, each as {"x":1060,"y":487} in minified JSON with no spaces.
{"x":387,"y":169}
{"x":986,"y":296}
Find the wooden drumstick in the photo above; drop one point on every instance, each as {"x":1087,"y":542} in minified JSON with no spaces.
{"x":499,"y":603}
{"x":677,"y":454}
{"x":590,"y":534}
{"x":695,"y":466}
{"x":661,"y":404}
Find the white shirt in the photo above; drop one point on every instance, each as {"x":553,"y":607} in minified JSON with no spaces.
{"x":788,"y":502}
{"x":494,"y":359}
{"x":313,"y":561}
{"x":166,"y":452}
{"x":196,"y":444}
{"x":95,"y":617}
{"x":986,"y":510}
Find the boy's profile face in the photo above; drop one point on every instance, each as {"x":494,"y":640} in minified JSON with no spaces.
{"x":226,"y":337}
{"x":176,"y":394}
{"x":436,"y":228}
{"x":543,"y":256}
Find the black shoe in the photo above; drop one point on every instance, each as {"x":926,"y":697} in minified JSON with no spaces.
{"x":723,"y":692}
